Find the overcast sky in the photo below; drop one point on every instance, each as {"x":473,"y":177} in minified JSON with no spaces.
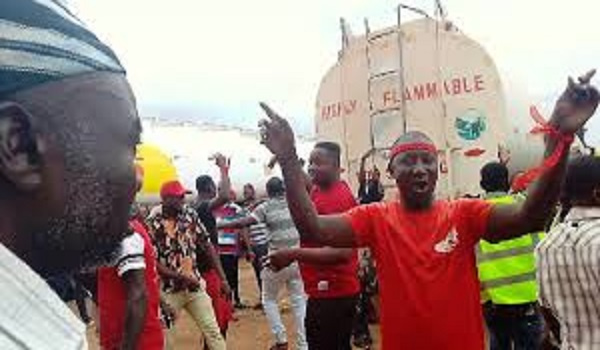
{"x":214,"y":59}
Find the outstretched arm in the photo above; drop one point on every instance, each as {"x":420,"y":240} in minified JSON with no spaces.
{"x":322,"y":256}
{"x":576,"y":105}
{"x":318,"y":256}
{"x":238,"y":223}
{"x":332,"y":230}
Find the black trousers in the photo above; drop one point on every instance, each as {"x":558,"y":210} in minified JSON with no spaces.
{"x":329,"y":323}
{"x":517,"y":327}
{"x":361,"y":321}
{"x":231,"y":269}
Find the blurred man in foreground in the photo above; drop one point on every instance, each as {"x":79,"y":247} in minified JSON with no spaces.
{"x":68,"y":131}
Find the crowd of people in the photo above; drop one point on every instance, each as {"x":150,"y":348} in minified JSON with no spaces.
{"x":448,"y":272}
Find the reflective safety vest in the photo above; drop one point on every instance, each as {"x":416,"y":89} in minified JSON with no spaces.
{"x":507,"y":269}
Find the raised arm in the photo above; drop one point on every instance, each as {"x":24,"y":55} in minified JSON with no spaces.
{"x":307,"y":181}
{"x":333,"y":230}
{"x":575,"y":106}
{"x":224,"y":187}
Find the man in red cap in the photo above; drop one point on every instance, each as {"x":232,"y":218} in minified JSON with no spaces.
{"x":178,"y":235}
{"x":423,"y":247}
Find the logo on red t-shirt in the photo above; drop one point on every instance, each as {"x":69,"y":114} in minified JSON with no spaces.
{"x":448,"y":244}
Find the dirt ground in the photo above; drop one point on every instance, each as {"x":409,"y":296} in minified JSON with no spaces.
{"x":250,"y":331}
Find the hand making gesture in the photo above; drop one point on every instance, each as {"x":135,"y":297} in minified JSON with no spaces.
{"x":576,"y":105}
{"x":277,"y":135}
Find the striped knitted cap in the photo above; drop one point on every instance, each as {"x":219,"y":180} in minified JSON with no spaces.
{"x":42,"y":41}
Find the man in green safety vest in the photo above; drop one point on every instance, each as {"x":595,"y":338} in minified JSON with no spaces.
{"x":507,"y":275}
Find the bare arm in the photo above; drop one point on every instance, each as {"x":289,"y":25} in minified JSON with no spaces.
{"x":238,"y":223}
{"x":510,"y":221}
{"x":335,"y":230}
{"x":322,"y":256}
{"x":307,"y":180}
{"x":570,"y":114}
{"x":224,"y":187}
{"x":282,"y":258}
{"x":136,"y":307}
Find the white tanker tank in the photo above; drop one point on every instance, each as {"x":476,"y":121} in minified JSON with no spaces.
{"x":431,"y":78}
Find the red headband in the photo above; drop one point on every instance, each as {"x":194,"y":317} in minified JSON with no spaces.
{"x":412,"y":146}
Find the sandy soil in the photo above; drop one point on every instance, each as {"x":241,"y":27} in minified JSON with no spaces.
{"x":250,"y":331}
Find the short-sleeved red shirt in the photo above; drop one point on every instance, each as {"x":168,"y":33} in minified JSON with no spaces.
{"x":331,"y":281}
{"x":112,"y":295}
{"x":427,"y":272}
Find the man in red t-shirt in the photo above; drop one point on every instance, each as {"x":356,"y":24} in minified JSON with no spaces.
{"x":129,"y":293}
{"x":424,"y":248}
{"x":329,"y":274}
{"x":129,"y":296}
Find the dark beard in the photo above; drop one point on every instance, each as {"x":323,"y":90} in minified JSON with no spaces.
{"x":88,"y":232}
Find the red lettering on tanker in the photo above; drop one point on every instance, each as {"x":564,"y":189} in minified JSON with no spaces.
{"x":455,"y":86}
{"x":451,"y":87}
{"x":338,"y":109}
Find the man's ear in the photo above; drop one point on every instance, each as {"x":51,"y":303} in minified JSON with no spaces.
{"x":20,"y":146}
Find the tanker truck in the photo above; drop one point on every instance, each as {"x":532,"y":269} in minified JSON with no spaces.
{"x":425,"y":75}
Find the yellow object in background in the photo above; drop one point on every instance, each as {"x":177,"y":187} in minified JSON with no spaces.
{"x":158,"y":168}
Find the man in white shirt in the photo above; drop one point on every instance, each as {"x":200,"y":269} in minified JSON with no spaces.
{"x":281,"y":235}
{"x":68,"y":131}
{"x":568,"y":262}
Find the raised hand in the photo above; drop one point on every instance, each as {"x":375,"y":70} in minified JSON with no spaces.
{"x":221,"y":161}
{"x":576,"y":105}
{"x":367,"y":154}
{"x":276,"y":134}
